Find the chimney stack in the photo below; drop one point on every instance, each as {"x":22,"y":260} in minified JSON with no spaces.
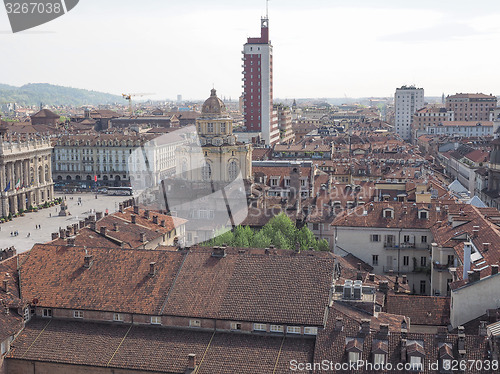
{"x":103,"y":230}
{"x":191,"y":362}
{"x":115,"y":226}
{"x":359,"y":266}
{"x":87,"y":261}
{"x":494,"y":269}
{"x":98,"y":216}
{"x":383,"y":287}
{"x":92,"y":225}
{"x":405,"y":279}
{"x":339,"y":324}
{"x":133,"y":218}
{"x":371,"y":277}
{"x":467,"y":253}
{"x":219,"y":252}
{"x":143,"y":237}
{"x":162,"y":223}
{"x":62,"y":233}
{"x":152,"y":269}
{"x":55,"y":235}
{"x":384,"y":329}
{"x":486,"y":247}
{"x":146,"y":214}
{"x":483,"y":331}
{"x":359,"y":276}
{"x":475,"y":231}
{"x":71,"y":242}
{"x":6,"y":285}
{"x":136,"y":209}
{"x":365,"y":326}
{"x":155,"y":220}
{"x":120,"y":207}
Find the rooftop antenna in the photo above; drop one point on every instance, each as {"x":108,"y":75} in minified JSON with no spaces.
{"x":267,"y":8}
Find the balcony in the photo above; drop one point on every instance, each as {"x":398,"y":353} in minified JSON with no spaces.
{"x":441,"y":267}
{"x":394,"y":269}
{"x":394,"y":246}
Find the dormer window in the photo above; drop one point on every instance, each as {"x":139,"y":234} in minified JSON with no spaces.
{"x":423,"y":214}
{"x":388,"y":213}
{"x":379,"y":352}
{"x":354,"y":347}
{"x":445,"y":357}
{"x":416,"y":354}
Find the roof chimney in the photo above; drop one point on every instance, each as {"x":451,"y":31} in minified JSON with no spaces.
{"x":467,"y":253}
{"x":494,"y":269}
{"x":71,"y":242}
{"x":191,"y":363}
{"x":88,"y":261}
{"x":6,"y":285}
{"x":136,"y":209}
{"x":62,"y":233}
{"x":475,"y":231}
{"x":120,"y":208}
{"x":103,"y":230}
{"x":92,"y":226}
{"x":98,"y":216}
{"x":339,"y":324}
{"x":359,"y":276}
{"x":486,"y":247}
{"x":219,"y":252}
{"x":359,"y":265}
{"x":143,"y":237}
{"x":115,"y":226}
{"x":146,"y":214}
{"x":155,"y":220}
{"x":405,"y":279}
{"x":483,"y":331}
{"x":55,"y":235}
{"x":384,"y":329}
{"x":152,"y":269}
{"x":383,"y":287}
{"x":365,"y":326}
{"x":133,"y":218}
{"x":371,"y":277}
{"x":162,"y":223}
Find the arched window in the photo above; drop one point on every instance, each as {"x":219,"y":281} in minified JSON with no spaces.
{"x":206,"y":172}
{"x":233,"y":169}
{"x":47,"y":173}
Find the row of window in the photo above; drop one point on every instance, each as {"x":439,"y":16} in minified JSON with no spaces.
{"x":156,"y":320}
{"x":391,"y":239}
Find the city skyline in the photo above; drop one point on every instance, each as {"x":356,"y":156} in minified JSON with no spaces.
{"x":322,"y":49}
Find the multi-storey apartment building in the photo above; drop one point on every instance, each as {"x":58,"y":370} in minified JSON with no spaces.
{"x":259,"y":115}
{"x":407,"y":100}
{"x":83,"y":157}
{"x":429,"y":116}
{"x":471,"y":107}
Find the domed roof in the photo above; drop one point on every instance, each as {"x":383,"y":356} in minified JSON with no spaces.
{"x":213,"y":105}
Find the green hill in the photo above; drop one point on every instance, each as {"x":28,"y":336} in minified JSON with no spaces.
{"x":48,"y":94}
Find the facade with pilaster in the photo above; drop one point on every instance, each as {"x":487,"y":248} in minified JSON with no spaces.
{"x":25,"y":173}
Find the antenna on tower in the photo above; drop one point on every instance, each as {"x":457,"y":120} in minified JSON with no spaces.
{"x":267,"y":8}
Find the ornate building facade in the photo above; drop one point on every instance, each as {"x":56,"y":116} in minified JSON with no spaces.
{"x":224,"y":158}
{"x":25,"y":173}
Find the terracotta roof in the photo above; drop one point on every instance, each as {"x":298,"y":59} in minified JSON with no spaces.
{"x":117,"y":280}
{"x":422,"y":310}
{"x":45,"y":113}
{"x":156,"y":349}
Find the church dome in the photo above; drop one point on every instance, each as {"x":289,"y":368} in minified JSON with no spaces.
{"x":213,"y":105}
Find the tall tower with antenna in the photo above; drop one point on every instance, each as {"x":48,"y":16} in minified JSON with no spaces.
{"x":258,"y":85}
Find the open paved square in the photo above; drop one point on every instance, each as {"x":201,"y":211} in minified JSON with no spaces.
{"x":50,"y":222}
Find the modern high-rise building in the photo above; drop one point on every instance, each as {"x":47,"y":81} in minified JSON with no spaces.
{"x":407,"y":100}
{"x":258,"y":86}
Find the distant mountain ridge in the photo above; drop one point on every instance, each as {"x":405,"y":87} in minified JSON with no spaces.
{"x":49,"y":94}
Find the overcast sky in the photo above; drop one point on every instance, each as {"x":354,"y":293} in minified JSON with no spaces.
{"x":322,"y":48}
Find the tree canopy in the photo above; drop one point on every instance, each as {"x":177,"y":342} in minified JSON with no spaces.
{"x":280,"y":231}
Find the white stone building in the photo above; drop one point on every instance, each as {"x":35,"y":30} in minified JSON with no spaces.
{"x":407,"y":100}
